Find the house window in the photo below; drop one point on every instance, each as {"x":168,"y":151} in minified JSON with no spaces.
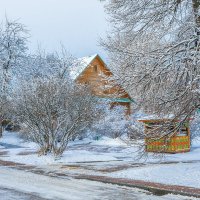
{"x":95,"y":68}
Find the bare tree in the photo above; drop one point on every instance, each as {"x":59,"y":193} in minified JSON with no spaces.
{"x":45,"y":64}
{"x":13,"y":36}
{"x":154,"y":49}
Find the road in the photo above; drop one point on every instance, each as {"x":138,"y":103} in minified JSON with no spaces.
{"x":17,"y":184}
{"x":11,"y":194}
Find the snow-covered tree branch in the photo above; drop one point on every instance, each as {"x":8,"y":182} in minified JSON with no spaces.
{"x":154,"y":49}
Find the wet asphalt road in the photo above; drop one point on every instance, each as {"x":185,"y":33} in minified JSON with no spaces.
{"x":11,"y":194}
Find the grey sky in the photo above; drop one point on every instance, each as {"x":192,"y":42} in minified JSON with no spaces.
{"x":78,"y":24}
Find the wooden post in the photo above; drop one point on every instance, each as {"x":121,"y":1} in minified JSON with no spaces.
{"x":128,"y":111}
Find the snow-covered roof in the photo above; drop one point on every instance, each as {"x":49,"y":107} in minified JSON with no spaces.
{"x":79,"y":65}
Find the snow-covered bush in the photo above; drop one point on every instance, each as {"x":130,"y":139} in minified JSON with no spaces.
{"x":113,"y":122}
{"x":53,"y":111}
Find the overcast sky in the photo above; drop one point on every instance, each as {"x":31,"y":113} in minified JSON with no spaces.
{"x":78,"y":24}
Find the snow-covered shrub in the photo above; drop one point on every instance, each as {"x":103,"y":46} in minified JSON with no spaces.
{"x":113,"y":122}
{"x":53,"y":111}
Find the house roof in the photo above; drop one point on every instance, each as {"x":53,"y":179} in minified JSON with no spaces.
{"x":80,"y":64}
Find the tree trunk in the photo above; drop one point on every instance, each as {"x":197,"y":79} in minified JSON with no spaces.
{"x":1,"y":127}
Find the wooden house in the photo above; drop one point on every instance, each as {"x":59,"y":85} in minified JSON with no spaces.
{"x":155,"y":142}
{"x":93,"y":71}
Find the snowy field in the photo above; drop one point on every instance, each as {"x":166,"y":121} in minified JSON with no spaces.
{"x":108,"y":157}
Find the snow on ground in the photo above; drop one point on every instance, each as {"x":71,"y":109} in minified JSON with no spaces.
{"x":177,"y":169}
{"x":69,"y":156}
{"x":109,"y":142}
